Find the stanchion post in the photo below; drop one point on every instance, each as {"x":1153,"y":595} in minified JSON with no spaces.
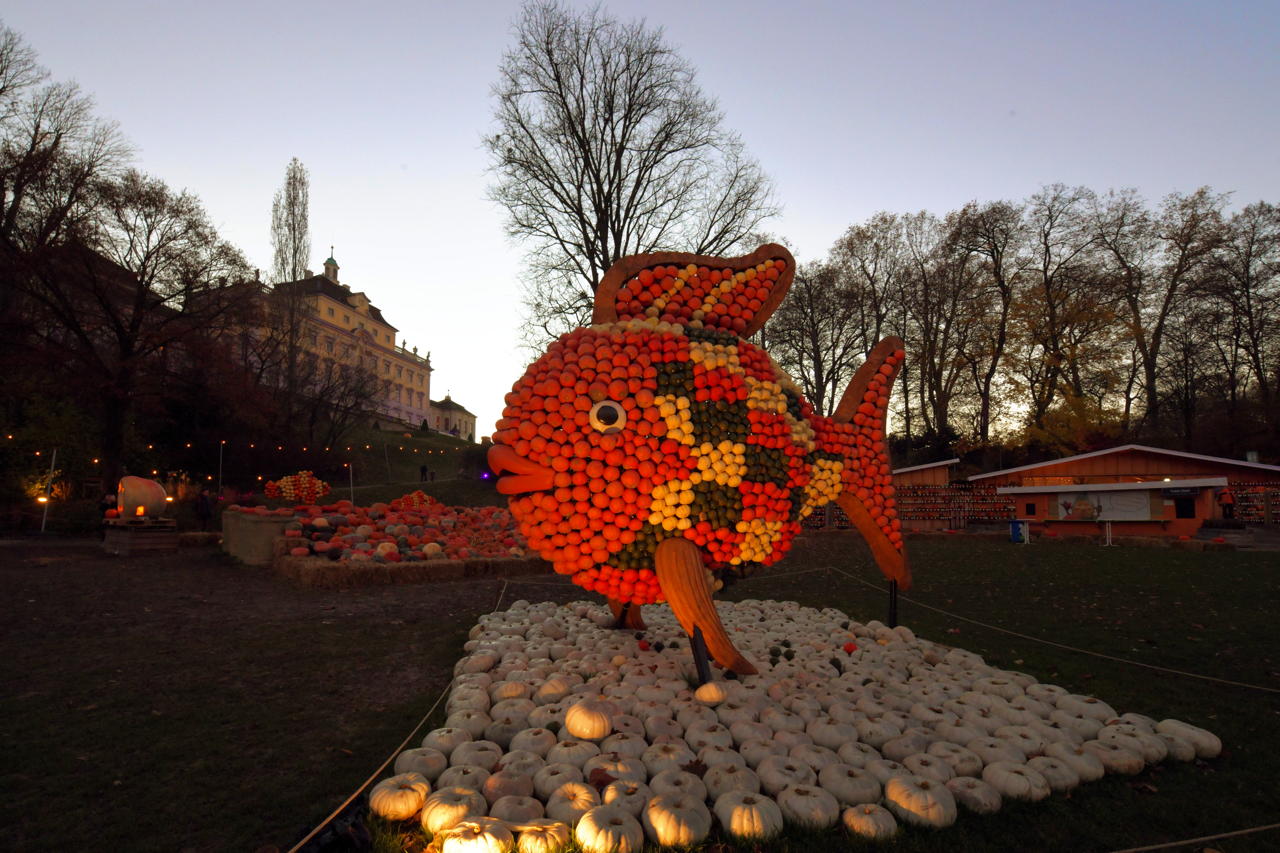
{"x":700,"y":656}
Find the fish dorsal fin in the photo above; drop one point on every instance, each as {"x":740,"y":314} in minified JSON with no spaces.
{"x":733,"y":294}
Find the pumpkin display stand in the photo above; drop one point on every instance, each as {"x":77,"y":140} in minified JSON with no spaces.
{"x":251,"y":538}
{"x":127,"y":537}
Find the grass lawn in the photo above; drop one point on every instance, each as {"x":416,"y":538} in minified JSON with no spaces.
{"x":185,"y":703}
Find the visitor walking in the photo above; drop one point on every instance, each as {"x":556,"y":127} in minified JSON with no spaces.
{"x":1227,"y":501}
{"x":422,"y":473}
{"x":204,"y":508}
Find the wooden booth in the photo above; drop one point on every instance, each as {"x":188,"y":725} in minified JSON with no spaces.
{"x":1134,"y":490}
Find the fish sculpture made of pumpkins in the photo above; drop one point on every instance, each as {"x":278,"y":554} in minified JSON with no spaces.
{"x":658,"y":443}
{"x":138,"y":497}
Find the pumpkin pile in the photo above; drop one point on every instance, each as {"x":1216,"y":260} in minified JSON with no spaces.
{"x":561,"y":728}
{"x":302,"y":487}
{"x":413,"y":527}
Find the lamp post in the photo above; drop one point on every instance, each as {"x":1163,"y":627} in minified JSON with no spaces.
{"x":48,"y":487}
{"x":221,"y":445}
{"x":351,"y":481}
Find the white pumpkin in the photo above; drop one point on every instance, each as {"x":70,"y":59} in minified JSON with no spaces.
{"x":877,"y":731}
{"x":505,"y":783}
{"x":463,"y":776}
{"x":543,"y":836}
{"x":747,"y":730}
{"x":1086,"y":765}
{"x":723,"y":778}
{"x":755,"y":751}
{"x":656,"y":725}
{"x":607,"y":829}
{"x":776,"y":773}
{"x":629,"y":745}
{"x":1016,"y":781}
{"x":1179,"y":749}
{"x":923,"y":802}
{"x":963,"y":762}
{"x":615,"y":765}
{"x":929,"y":767}
{"x":575,"y":752}
{"x":702,"y":733}
{"x":808,"y":806}
{"x":571,"y":801}
{"x":870,"y":821}
{"x":536,"y":740}
{"x":628,"y":795}
{"x":714,"y":756}
{"x":1086,"y":706}
{"x":898,"y":748}
{"x":521,"y":762}
{"x":993,"y":749}
{"x":675,"y":781}
{"x":884,"y":770}
{"x":1086,"y":727}
{"x":449,"y":806}
{"x":974,"y":794}
{"x":446,"y":739}
{"x":1115,"y":758}
{"x":665,"y":756}
{"x":516,"y":809}
{"x":590,"y":719}
{"x":481,"y":753}
{"x":712,"y":693}
{"x":549,"y":779}
{"x":425,"y":761}
{"x":399,"y":797}
{"x":676,"y":820}
{"x":748,"y":816}
{"x":476,"y":836}
{"x":1060,"y":776}
{"x":858,"y":754}
{"x":1206,"y":743}
{"x":829,"y":733}
{"x":1025,"y":738}
{"x":851,"y":786}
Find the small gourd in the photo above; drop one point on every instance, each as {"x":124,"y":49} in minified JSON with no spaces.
{"x":870,"y":821}
{"x":711,"y":694}
{"x":923,"y":802}
{"x":748,"y":816}
{"x":676,"y":820}
{"x":400,"y":797}
{"x":607,"y":829}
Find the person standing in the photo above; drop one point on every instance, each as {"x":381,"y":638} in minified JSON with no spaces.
{"x":1227,"y":501}
{"x":204,"y":508}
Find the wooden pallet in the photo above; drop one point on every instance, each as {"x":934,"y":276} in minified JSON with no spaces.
{"x":127,"y":540}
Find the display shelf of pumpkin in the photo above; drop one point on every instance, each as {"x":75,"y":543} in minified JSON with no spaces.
{"x":561,"y":728}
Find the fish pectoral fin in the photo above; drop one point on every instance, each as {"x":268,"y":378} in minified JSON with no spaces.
{"x":684,"y":581}
{"x":627,"y":615}
{"x":891,"y":559}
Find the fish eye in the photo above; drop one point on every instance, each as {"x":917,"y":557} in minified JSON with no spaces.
{"x":608,"y":416}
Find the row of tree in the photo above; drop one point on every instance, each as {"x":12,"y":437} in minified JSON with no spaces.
{"x":1071,"y":320}
{"x":124,"y":314}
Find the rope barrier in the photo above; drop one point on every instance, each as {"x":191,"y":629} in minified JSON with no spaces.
{"x":392,"y":757}
{"x":1063,"y":646}
{"x":1190,"y":841}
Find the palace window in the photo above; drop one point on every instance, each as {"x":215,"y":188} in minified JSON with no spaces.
{"x":399,"y":371}
{"x":330,"y":310}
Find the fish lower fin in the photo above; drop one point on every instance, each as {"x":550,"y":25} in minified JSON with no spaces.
{"x":684,"y":582}
{"x":626,"y":615}
{"x":867,"y":494}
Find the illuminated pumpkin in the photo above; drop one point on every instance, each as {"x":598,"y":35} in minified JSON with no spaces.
{"x":138,"y":497}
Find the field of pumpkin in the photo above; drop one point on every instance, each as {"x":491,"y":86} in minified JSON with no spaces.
{"x":413,"y":527}
{"x":563,"y":729}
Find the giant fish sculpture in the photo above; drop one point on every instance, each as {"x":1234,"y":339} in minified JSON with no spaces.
{"x":657,"y":444}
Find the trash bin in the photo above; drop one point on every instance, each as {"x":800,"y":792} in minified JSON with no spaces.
{"x":1019,"y":532}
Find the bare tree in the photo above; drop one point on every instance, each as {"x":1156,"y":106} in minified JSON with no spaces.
{"x":606,"y":147}
{"x":287,"y":306}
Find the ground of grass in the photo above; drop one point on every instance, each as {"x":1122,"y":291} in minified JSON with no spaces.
{"x":185,"y":702}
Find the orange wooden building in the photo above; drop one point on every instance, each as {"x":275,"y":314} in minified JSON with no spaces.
{"x":1137,"y":490}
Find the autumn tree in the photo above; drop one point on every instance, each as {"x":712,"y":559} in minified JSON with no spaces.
{"x":606,"y":147}
{"x":287,"y":306}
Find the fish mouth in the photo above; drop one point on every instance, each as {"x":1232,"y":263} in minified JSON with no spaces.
{"x":522,"y":474}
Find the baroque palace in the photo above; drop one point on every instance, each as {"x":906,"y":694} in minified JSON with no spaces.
{"x":343,"y":324}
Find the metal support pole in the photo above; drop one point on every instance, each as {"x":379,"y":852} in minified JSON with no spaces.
{"x":48,"y":487}
{"x":351,"y":480}
{"x":699,"y":646}
{"x":221,"y":445}
{"x":893,"y":604}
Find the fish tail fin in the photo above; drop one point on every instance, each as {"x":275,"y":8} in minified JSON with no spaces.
{"x":867,"y":494}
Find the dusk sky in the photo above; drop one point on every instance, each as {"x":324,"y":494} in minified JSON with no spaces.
{"x":850,"y":107}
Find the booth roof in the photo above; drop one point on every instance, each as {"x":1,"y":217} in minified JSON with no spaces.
{"x":1203,"y":482}
{"x":1140,"y":447}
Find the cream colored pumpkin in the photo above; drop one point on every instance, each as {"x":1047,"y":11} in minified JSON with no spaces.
{"x":1086,"y":765}
{"x":505,"y":783}
{"x":1087,"y":706}
{"x":425,"y":761}
{"x":756,"y":751}
{"x":702,"y":733}
{"x":712,"y":693}
{"x":543,"y":836}
{"x":463,"y":776}
{"x":870,"y":821}
{"x":851,"y":786}
{"x":629,"y":745}
{"x":884,"y":770}
{"x":446,"y":739}
{"x":994,"y":749}
{"x":571,"y":801}
{"x":723,"y":778}
{"x":857,"y":754}
{"x":617,"y":766}
{"x":448,"y":806}
{"x":476,"y":836}
{"x":536,"y":740}
{"x":549,"y":779}
{"x":656,"y":725}
{"x":1060,"y":776}
{"x":923,"y":802}
{"x":665,"y":756}
{"x":748,"y":730}
{"x":898,"y":748}
{"x":514,"y":809}
{"x":929,"y":767}
{"x":1016,"y":781}
{"x":813,"y":755}
{"x":399,"y":797}
{"x":590,"y":719}
{"x":1206,"y":743}
{"x":830,"y":734}
{"x":715,"y":756}
{"x":628,"y":795}
{"x":575,"y":752}
{"x":748,"y":816}
{"x":607,"y":829}
{"x":1025,"y":738}
{"x":673,"y":781}
{"x":481,"y":753}
{"x":962,"y":761}
{"x":1179,"y":749}
{"x":974,"y":794}
{"x":522,"y":762}
{"x":808,"y":806}
{"x":676,"y":820}
{"x":776,"y":773}
{"x":1115,"y":758}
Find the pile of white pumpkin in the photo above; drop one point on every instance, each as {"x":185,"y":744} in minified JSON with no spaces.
{"x":560,"y":727}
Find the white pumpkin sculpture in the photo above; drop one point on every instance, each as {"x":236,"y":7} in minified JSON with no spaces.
{"x":399,"y":797}
{"x":748,"y":816}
